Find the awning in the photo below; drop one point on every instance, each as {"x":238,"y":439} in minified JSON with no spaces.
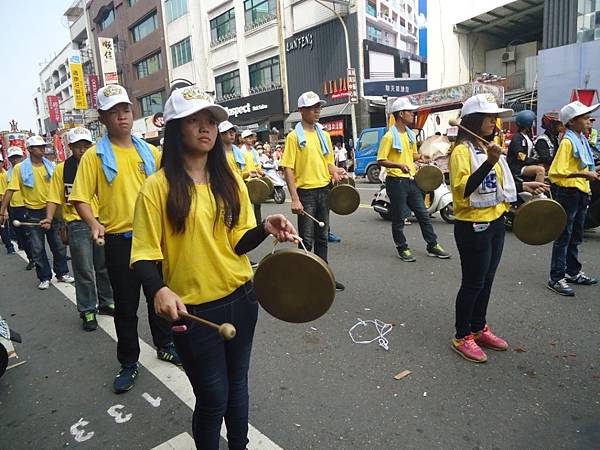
{"x":342,"y":109}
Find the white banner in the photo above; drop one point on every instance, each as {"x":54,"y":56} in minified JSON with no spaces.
{"x":108,"y":61}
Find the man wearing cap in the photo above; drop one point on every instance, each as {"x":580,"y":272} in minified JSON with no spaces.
{"x":240,"y":162}
{"x":114,"y":170}
{"x":309,"y":165}
{"x":254,"y":165}
{"x":570,"y":174}
{"x":398,"y":153}
{"x":5,"y":230}
{"x":32,"y":178}
{"x":92,"y":284}
{"x":16,"y":209}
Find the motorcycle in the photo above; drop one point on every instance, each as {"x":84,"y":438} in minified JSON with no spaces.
{"x":7,"y":337}
{"x":270,"y":171}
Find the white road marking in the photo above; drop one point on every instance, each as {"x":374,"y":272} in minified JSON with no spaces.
{"x":116,"y":413}
{"x":79,"y":434}
{"x":180,"y":442}
{"x":153,"y":401}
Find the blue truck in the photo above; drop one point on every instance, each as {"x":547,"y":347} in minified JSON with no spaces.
{"x":366,"y":153}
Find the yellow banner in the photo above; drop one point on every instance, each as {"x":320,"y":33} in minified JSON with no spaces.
{"x":78,"y":84}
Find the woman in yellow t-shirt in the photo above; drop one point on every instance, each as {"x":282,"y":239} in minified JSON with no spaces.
{"x":482,"y":190}
{"x":194,"y":218}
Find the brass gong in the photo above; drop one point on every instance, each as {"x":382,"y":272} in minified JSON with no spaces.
{"x":344,"y":199}
{"x":258,"y":190}
{"x":539,"y":221}
{"x":267,"y":180}
{"x":429,"y":178}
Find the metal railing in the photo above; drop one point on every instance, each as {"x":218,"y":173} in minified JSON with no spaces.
{"x":260,"y":22}
{"x":264,"y":88}
{"x":225,"y":38}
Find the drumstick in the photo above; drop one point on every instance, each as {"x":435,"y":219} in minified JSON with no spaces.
{"x":318,"y":222}
{"x":99,"y":241}
{"x":456,"y":123}
{"x":226,"y":330}
{"x":18,"y":223}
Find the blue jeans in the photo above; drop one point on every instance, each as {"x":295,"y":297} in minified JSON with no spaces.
{"x":20,"y":233}
{"x":6,"y":238}
{"x":565,"y":248}
{"x":38,"y":246}
{"x":92,"y":284}
{"x":405,"y":196}
{"x":315,"y":203}
{"x":218,"y":369}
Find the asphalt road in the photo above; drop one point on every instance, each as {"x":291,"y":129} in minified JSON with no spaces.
{"x":311,"y":386}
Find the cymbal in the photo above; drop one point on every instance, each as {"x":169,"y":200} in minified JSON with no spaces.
{"x":429,"y":178}
{"x":294,"y":285}
{"x":539,"y":221}
{"x":344,"y":199}
{"x":267,"y":180}
{"x":258,"y":190}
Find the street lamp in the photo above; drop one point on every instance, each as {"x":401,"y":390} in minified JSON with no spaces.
{"x":348,"y":61}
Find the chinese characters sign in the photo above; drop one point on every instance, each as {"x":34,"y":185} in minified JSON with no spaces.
{"x":94,"y":85}
{"x":54,"y":109}
{"x":77,"y":82}
{"x":108,"y":61}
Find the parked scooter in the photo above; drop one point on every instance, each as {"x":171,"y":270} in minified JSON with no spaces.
{"x":278,"y":182}
{"x":6,"y":348}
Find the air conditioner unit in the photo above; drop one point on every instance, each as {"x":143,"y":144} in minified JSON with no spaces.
{"x":508,"y":57}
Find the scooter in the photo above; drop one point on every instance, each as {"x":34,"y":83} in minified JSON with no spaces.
{"x":441,"y":200}
{"x":277,"y":180}
{"x":7,"y":337}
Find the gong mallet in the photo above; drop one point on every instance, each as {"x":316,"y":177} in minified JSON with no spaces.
{"x":318,"y":222}
{"x":226,"y":330}
{"x":456,"y":123}
{"x":100,"y":241}
{"x":18,"y":223}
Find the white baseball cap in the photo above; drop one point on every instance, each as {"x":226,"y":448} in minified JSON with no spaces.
{"x":111,"y":95}
{"x":309,"y":99}
{"x":403,"y":104}
{"x":484,"y":104}
{"x":80,"y":134}
{"x":190,"y":100}
{"x":247,"y":133}
{"x":35,"y":141}
{"x":225,"y":126}
{"x":14,"y":151}
{"x":575,"y":109}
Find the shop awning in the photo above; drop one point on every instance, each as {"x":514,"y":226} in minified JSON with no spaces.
{"x":328,"y":111}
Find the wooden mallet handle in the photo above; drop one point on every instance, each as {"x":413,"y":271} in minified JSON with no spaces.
{"x":318,"y":222}
{"x":456,"y":123}
{"x":18,"y":223}
{"x":226,"y":330}
{"x":100,"y":241}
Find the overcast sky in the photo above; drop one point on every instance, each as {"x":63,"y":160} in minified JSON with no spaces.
{"x":31,"y":31}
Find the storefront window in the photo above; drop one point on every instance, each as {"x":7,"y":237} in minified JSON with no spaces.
{"x":265,"y":74}
{"x":228,"y":85}
{"x":588,"y":20}
{"x":152,"y":104}
{"x":223,"y":27}
{"x":259,"y":11}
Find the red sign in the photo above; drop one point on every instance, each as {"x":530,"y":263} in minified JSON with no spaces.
{"x":334,"y":127}
{"x":54,"y":109}
{"x":59,"y":148}
{"x":94,"y":85}
{"x":585,"y":96}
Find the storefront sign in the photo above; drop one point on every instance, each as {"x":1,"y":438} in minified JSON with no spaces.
{"x":335,"y":89}
{"x":94,"y":85}
{"x":352,"y":88}
{"x":255,"y":107}
{"x":334,"y":127}
{"x":59,"y":148}
{"x":299,"y":43}
{"x":108,"y":62}
{"x":54,"y":109}
{"x":398,"y":87}
{"x":77,"y":82}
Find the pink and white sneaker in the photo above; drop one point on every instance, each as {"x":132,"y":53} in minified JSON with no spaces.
{"x":487,"y":339}
{"x":468,"y":349}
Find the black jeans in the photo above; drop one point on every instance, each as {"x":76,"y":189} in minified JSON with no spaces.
{"x":126,"y":293}
{"x":218,"y":369}
{"x":565,"y":249}
{"x":37,"y":240}
{"x":480,"y":253}
{"x":315,"y":203}
{"x":6,"y":238}
{"x":405,"y":196}
{"x":21,"y":235}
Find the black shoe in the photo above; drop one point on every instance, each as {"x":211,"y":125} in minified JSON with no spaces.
{"x":581,"y":278}
{"x":89,"y":321}
{"x":125,"y":379}
{"x":107,"y":310}
{"x":561,"y":287}
{"x":169,"y":354}
{"x":30,"y":265}
{"x":339,"y":287}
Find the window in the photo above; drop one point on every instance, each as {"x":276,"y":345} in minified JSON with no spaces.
{"x":181,"y":52}
{"x":223,"y":26}
{"x":132,"y":2}
{"x":588,"y":20}
{"x":373,"y":33}
{"x":371,"y":9}
{"x":258,"y":11}
{"x":175,"y":9}
{"x":148,"y":66}
{"x":368,"y":138}
{"x":144,"y":28}
{"x":228,"y":85}
{"x":152,"y":104}
{"x":265,"y":73}
{"x":106,"y":19}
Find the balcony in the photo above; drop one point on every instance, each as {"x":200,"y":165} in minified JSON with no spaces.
{"x":223,"y":39}
{"x":260,"y":22}
{"x":227,"y":97}
{"x":264,"y":88}
{"x":387,"y":18}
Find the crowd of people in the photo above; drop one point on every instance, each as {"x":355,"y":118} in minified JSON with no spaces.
{"x":178,"y":224}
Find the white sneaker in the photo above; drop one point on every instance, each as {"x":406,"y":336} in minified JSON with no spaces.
{"x":44,"y":285}
{"x":66,"y":279}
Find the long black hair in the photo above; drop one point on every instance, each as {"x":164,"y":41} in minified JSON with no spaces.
{"x":472,"y":122}
{"x":223,"y":183}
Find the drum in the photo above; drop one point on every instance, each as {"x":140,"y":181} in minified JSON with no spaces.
{"x":429,"y":178}
{"x":344,"y":199}
{"x":294,"y":285}
{"x":539,"y":221}
{"x":258,"y":190}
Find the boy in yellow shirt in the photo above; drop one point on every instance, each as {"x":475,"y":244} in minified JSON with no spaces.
{"x":398,"y":153}
{"x":114,"y":171}
{"x":570,"y":174}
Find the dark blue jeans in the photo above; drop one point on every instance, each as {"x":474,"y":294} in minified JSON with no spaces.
{"x":218,"y":369}
{"x":37,"y":235}
{"x":6,"y":238}
{"x":404,"y":197}
{"x":20,"y":233}
{"x":565,"y":248}
{"x":480,"y":254}
{"x":315,"y":203}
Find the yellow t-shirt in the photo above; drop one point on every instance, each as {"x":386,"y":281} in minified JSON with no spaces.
{"x":116,"y":200}
{"x":248,"y":166}
{"x":460,"y":171}
{"x":386,"y":151}
{"x":3,"y":181}
{"x":16,"y":201}
{"x":199,"y":265}
{"x":309,"y":164}
{"x":563,"y":165}
{"x":58,"y":192}
{"x":33,"y":197}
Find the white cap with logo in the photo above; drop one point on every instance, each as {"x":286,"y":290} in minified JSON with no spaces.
{"x":226,"y":126}
{"x":80,"y":134}
{"x":35,"y":141}
{"x":247,"y":133}
{"x":484,"y":104}
{"x":575,"y":109}
{"x":111,"y":95}
{"x":14,"y":151}
{"x":309,"y":99}
{"x":403,"y":104}
{"x":189,"y":100}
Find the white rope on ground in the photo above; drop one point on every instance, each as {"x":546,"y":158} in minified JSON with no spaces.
{"x":381,"y":327}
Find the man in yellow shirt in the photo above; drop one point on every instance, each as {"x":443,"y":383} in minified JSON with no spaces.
{"x":398,"y":153}
{"x":253,"y":165}
{"x":570,"y":174}
{"x":92,"y":284}
{"x":114,"y":171}
{"x":309,"y":168}
{"x":32,"y":178}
